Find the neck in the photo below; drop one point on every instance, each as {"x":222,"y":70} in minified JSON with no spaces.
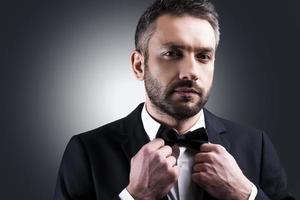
{"x":181,"y":126}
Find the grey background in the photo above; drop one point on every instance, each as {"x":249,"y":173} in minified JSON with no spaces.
{"x":65,"y":69}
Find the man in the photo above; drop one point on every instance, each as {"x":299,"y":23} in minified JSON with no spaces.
{"x":132,"y":158}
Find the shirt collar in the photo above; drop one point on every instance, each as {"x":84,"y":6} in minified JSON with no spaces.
{"x":151,"y":126}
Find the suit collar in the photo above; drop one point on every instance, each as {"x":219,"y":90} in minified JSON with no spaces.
{"x":216,"y":129}
{"x":216,"y":134}
{"x":134,"y":135}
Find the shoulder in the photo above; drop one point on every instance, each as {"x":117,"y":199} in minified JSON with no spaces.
{"x":102,"y":135}
{"x":113,"y":131}
{"x":227,"y":124}
{"x":235,"y":127}
{"x":232,"y":130}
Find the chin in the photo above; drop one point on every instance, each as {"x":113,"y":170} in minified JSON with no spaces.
{"x":188,"y":105}
{"x":189,"y":101}
{"x":185,"y":111}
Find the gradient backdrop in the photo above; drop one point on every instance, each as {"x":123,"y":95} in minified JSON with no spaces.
{"x":65,"y":69}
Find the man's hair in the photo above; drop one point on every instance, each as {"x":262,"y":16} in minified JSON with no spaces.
{"x":202,"y":9}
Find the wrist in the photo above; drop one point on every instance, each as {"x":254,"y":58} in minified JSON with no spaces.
{"x":138,"y":195}
{"x":244,"y":191}
{"x":132,"y":192}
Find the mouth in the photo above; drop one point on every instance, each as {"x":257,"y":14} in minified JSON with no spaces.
{"x":186,"y":91}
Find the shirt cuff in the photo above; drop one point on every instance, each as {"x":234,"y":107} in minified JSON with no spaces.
{"x":253,"y":192}
{"x":124,"y":195}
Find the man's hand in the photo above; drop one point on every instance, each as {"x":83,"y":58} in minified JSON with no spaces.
{"x":153,"y":171}
{"x":217,"y":172}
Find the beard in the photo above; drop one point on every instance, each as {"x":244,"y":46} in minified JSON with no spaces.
{"x":183,"y":108}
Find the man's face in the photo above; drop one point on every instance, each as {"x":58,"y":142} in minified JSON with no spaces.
{"x":179,"y":70}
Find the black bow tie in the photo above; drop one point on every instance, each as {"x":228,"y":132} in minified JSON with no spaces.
{"x":192,"y":139}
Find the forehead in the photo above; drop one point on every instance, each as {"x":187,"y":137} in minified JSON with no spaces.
{"x":183,"y":30}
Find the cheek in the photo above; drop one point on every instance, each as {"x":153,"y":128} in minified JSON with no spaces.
{"x":210,"y":76}
{"x":163,"y":70}
{"x":206,"y":76}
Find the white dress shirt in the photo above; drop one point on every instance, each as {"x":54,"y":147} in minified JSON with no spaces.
{"x":185,"y":188}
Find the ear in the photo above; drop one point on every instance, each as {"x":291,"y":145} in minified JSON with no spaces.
{"x":137,"y":63}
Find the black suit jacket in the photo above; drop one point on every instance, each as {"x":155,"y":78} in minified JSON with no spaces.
{"x":96,"y":164}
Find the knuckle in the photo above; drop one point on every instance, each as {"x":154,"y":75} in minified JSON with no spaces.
{"x":173,"y":172}
{"x":196,"y":168}
{"x":211,"y":157}
{"x":147,"y":150}
{"x":160,"y":140}
{"x":200,"y":167}
{"x":155,"y":156}
{"x":205,"y":167}
{"x":220,"y":148}
{"x":172,"y":159}
{"x":168,"y":167}
{"x":168,"y":149}
{"x":201,"y":176}
{"x":164,"y":164}
{"x":159,"y":158}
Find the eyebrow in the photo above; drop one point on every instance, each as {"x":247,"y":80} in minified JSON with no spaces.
{"x":173,"y":45}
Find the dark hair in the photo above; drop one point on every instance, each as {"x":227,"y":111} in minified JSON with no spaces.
{"x":198,"y":8}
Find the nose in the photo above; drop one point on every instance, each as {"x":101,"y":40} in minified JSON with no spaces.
{"x":188,"y":69}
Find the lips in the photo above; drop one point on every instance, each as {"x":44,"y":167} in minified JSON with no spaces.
{"x":186,"y":90}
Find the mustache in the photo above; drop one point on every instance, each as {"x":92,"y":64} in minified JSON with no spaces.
{"x":188,"y":84}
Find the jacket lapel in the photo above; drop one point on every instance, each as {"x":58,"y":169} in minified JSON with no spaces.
{"x":133,"y":133}
{"x":216,"y":134}
{"x":216,"y":130}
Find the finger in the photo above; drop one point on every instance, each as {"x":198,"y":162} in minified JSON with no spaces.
{"x":157,"y":142}
{"x":176,"y":171}
{"x":201,"y":167}
{"x":199,"y":178}
{"x":154,"y":145}
{"x":209,"y":147}
{"x":165,"y":151}
{"x":171,"y":160}
{"x":203,"y":157}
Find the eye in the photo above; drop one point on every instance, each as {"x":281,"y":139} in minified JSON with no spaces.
{"x":204,"y":57}
{"x":173,"y":54}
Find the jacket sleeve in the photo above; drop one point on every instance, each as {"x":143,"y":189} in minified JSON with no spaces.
{"x":74,"y":177}
{"x":273,"y":181}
